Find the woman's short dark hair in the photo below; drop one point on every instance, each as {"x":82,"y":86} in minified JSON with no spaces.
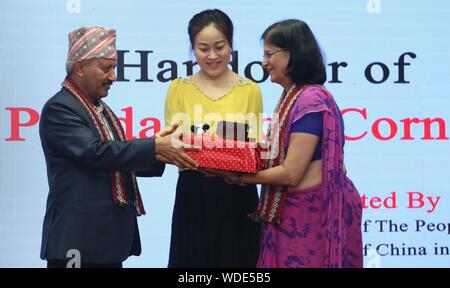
{"x":211,"y":16}
{"x":306,"y":62}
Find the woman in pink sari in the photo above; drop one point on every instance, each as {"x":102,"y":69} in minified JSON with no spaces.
{"x":311,"y":211}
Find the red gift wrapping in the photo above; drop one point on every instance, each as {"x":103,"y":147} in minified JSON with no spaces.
{"x":218,"y":153}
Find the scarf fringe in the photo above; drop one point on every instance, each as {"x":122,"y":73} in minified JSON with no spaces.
{"x":272,"y":201}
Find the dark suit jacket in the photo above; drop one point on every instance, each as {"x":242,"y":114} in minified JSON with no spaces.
{"x":80,"y":210}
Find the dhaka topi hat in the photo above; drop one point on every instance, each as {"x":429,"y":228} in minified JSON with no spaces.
{"x":91,"y":43}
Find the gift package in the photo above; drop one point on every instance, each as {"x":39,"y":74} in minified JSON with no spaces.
{"x":228,"y":149}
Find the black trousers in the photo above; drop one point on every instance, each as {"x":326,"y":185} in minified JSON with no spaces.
{"x":56,"y":263}
{"x":210,"y":224}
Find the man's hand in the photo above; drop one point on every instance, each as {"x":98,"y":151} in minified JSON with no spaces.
{"x":170,"y":149}
{"x":167,"y":131}
{"x":228,"y":176}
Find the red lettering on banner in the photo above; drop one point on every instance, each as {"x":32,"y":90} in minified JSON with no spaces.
{"x":16,"y":124}
{"x":393,"y":129}
{"x":389,"y":202}
{"x":427,"y":128}
{"x":418,"y":200}
{"x":363,"y":113}
{"x":156,"y":127}
{"x":407,"y":130}
{"x":415,"y":200}
{"x":376,"y":129}
{"x":127,"y":123}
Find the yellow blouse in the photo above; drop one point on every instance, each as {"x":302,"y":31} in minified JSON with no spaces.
{"x":187,"y":105}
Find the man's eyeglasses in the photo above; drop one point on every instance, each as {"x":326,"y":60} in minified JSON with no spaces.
{"x":268,"y":54}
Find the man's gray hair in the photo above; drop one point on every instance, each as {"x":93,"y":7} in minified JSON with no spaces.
{"x":69,"y":67}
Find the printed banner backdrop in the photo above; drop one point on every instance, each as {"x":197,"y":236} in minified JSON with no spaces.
{"x":388,"y":68}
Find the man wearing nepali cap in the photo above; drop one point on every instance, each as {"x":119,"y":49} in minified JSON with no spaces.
{"x":93,"y":195}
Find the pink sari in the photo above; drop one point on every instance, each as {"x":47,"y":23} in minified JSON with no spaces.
{"x":320,"y":227}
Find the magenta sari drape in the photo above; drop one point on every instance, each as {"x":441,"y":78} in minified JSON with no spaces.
{"x":320,"y":226}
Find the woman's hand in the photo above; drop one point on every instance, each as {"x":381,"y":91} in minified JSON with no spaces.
{"x":229,"y":176}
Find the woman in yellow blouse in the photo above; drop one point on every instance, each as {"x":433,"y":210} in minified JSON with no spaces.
{"x":210,"y":227}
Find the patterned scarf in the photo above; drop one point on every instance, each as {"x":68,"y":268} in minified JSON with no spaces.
{"x":272,"y":199}
{"x":118,"y":188}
